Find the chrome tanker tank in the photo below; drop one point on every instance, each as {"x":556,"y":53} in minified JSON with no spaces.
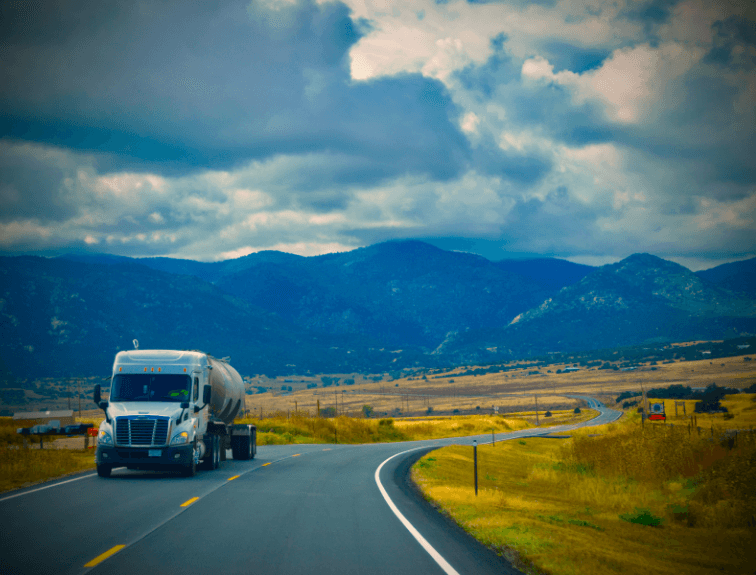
{"x":227,"y":401}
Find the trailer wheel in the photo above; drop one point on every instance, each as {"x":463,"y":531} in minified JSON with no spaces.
{"x":241,"y":447}
{"x":216,"y":452}
{"x":213,"y":456}
{"x":104,"y":470}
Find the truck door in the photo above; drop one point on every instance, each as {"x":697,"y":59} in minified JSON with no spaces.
{"x":196,"y":398}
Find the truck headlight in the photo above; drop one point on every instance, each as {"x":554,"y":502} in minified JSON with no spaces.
{"x":180,"y":438}
{"x":104,"y":438}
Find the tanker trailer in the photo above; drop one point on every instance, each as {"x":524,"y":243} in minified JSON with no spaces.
{"x":171,"y":410}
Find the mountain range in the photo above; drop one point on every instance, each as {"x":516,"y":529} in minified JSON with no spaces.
{"x":383,"y":307}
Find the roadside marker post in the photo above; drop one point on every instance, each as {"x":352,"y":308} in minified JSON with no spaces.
{"x":475,"y":464}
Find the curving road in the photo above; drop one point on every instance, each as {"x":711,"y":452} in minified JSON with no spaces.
{"x":293,"y":509}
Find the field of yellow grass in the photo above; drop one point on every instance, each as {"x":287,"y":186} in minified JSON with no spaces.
{"x":512,"y":391}
{"x":20,"y":466}
{"x":624,"y":498}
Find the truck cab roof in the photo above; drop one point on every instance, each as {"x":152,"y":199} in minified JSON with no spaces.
{"x":159,"y":361}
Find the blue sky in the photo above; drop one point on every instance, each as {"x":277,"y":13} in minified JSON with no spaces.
{"x":586,"y":130}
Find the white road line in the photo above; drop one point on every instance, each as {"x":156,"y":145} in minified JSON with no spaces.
{"x":448,"y":569}
{"x":45,"y":487}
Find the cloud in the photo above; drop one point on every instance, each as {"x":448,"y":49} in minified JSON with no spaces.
{"x":580,"y":129}
{"x":172,"y":88}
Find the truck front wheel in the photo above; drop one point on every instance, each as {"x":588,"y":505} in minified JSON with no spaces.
{"x":104,"y":470}
{"x":191,"y":469}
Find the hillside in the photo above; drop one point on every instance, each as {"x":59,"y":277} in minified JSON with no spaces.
{"x":381,"y":308}
{"x":61,"y":317}
{"x":739,"y":277}
{"x":640,"y":299}
{"x":404,"y":293}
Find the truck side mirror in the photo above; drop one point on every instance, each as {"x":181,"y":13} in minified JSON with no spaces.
{"x":184,"y":405}
{"x":97,"y":394}
{"x":207,"y":394}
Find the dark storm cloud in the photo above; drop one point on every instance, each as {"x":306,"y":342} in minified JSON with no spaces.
{"x":565,"y":56}
{"x":734,"y":43}
{"x":651,"y":14}
{"x":519,"y":168}
{"x":173,"y":86}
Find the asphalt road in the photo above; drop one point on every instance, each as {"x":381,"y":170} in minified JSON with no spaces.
{"x":293,"y":509}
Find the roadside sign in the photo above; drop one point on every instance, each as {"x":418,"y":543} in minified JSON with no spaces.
{"x":656,"y":412}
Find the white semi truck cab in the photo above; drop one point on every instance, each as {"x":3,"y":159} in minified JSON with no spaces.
{"x":171,"y":410}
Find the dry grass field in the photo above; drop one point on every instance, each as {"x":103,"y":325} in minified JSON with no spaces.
{"x":513,"y":391}
{"x":21,"y":466}
{"x":280,"y":428}
{"x":625,"y":498}
{"x":407,"y":401}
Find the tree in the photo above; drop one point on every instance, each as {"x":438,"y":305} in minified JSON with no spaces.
{"x":328,"y":412}
{"x":367,"y":410}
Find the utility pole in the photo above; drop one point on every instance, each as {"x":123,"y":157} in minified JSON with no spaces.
{"x":536,"y":400}
{"x":78,"y":391}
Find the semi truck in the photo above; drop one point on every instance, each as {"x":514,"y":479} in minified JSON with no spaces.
{"x":171,"y":410}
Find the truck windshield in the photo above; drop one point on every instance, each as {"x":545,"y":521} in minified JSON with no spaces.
{"x":151,"y":387}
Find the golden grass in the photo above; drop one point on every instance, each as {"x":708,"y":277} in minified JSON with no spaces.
{"x":741,"y":413}
{"x":21,"y":466}
{"x":513,"y":391}
{"x":555,"y":505}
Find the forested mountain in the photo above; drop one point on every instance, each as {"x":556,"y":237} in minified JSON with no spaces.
{"x":641,"y":299}
{"x":383,"y":307}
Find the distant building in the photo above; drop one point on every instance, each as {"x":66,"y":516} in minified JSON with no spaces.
{"x":570,"y":369}
{"x":30,"y":418}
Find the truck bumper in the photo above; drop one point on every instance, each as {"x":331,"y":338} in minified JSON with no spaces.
{"x":143,"y":457}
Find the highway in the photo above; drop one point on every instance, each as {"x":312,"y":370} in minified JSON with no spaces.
{"x":294,"y":509}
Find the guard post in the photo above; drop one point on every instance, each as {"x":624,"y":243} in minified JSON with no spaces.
{"x":475,"y":464}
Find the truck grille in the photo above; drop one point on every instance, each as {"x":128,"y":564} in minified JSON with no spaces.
{"x":132,"y":431}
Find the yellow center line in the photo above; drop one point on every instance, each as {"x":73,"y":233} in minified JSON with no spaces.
{"x":188,"y":503}
{"x":264,"y":464}
{"x":234,"y":477}
{"x":101,"y":558}
{"x":296,"y":455}
{"x":328,"y":449}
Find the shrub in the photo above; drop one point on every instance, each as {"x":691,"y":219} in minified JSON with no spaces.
{"x":547,"y":414}
{"x":328,"y":412}
{"x":642,"y":517}
{"x":577,"y":410}
{"x":367,"y":410}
